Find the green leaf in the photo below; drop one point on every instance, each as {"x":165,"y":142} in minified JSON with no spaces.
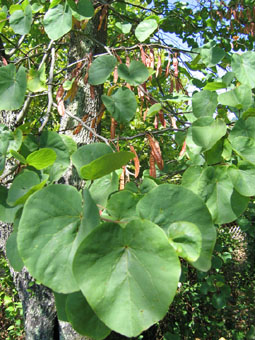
{"x":219,"y":301}
{"x":124,"y":27}
{"x":122,"y":205}
{"x":213,"y":86}
{"x":211,"y":55}
{"x":13,"y":254}
{"x":82,"y":10}
{"x":155,"y":108}
{"x":145,"y":29}
{"x":62,"y":15}
{"x":36,"y":80}
{"x":101,"y":68}
{"x":88,"y":153}
{"x":243,"y":178}
{"x":215,"y":187}
{"x":7,"y":213}
{"x":206,"y":131}
{"x":245,"y":147}
{"x":18,"y":156}
{"x":69,"y":143}
{"x":52,"y":140}
{"x":244,"y":128}
{"x":204,"y":103}
{"x":83,"y":319}
{"x":214,"y":155}
{"x":41,"y":158}
{"x":60,"y":301}
{"x":12,"y":87}
{"x":21,"y":21}
{"x":47,"y":236}
{"x":103,"y":187}
{"x":186,"y":238}
{"x":121,"y":105}
{"x":105,"y":164}
{"x":23,"y":186}
{"x":244,"y":68}
{"x":168,"y":203}
{"x":91,"y":217}
{"x":137,"y":73}
{"x":240,"y":97}
{"x":3,"y":19}
{"x":249,"y":113}
{"x":132,"y":276}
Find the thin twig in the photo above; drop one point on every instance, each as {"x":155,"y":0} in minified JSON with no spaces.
{"x":105,"y":140}
{"x":24,"y":109}
{"x":17,"y":47}
{"x":50,"y":88}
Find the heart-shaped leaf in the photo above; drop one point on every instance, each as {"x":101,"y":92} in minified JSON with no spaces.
{"x":243,"y":65}
{"x":62,"y":15}
{"x":137,"y":73}
{"x":121,"y":105}
{"x":204,"y":103}
{"x":145,"y":29}
{"x":172,"y":203}
{"x":132,"y":276}
{"x":13,"y":87}
{"x":101,"y":68}
{"x":41,"y":158}
{"x":21,"y":21}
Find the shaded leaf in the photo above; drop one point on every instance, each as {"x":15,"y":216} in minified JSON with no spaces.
{"x":101,"y":68}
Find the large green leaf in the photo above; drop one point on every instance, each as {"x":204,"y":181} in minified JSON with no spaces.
{"x":215,"y":187}
{"x":101,"y":68}
{"x":13,"y":87}
{"x":47,"y":235}
{"x":81,"y":10}
{"x":135,"y":271}
{"x":167,"y":204}
{"x":83,"y":318}
{"x":121,"y":105}
{"x":206,"y":131}
{"x":91,"y":217}
{"x":243,"y":178}
{"x":21,"y":21}
{"x":145,"y":29}
{"x":105,"y":164}
{"x":204,"y":103}
{"x":41,"y":158}
{"x":240,"y":97}
{"x":243,"y":65}
{"x":245,"y":147}
{"x":135,"y":74}
{"x":186,"y":238}
{"x":58,"y":21}
{"x":88,"y":153}
{"x":52,"y":140}
{"x":23,"y":186}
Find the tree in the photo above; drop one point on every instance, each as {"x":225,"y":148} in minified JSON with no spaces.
{"x":107,"y":245}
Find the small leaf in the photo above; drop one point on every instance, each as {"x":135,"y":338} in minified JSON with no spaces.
{"x":121,"y":105}
{"x":204,"y":103}
{"x":124,"y":27}
{"x":21,"y":21}
{"x":62,"y":15}
{"x":145,"y":29}
{"x":101,"y":68}
{"x":213,"y":86}
{"x":12,"y":87}
{"x":36,"y":80}
{"x":155,"y":108}
{"x":105,"y":164}
{"x":41,"y":158}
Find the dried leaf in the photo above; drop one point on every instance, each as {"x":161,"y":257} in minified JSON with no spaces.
{"x":122,"y":178}
{"x":102,"y":17}
{"x":152,"y":57}
{"x":61,"y":107}
{"x":93,"y":124}
{"x":136,"y":161}
{"x":115,"y":75}
{"x":143,"y":54}
{"x":183,"y":150}
{"x":113,"y":126}
{"x":92,"y":92}
{"x":161,"y":118}
{"x":168,"y":65}
{"x":159,"y":68}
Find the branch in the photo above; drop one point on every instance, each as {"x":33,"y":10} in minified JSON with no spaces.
{"x":50,"y":87}
{"x":105,"y":140}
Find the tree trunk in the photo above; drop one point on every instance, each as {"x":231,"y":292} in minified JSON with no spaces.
{"x":38,"y":303}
